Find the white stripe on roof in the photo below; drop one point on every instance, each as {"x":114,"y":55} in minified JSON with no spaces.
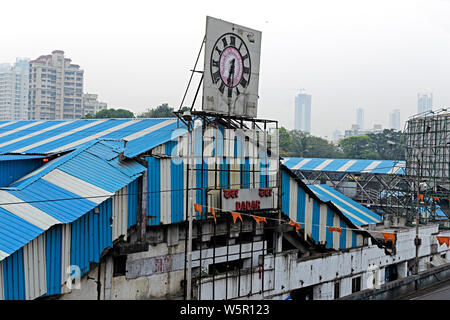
{"x":34,"y":133}
{"x":3,"y":255}
{"x":371,"y":166}
{"x":300,"y":164}
{"x":77,"y":186}
{"x":347,"y":165}
{"x":20,"y":128}
{"x":347,"y":203}
{"x":26,"y":211}
{"x":350,"y":214}
{"x":148,"y":130}
{"x":323,"y":164}
{"x":96,"y":135}
{"x":64,"y":134}
{"x":397,"y":167}
{"x":7,"y":123}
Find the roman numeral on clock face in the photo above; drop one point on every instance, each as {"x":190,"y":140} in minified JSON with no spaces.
{"x":216,"y":76}
{"x":224,"y":40}
{"x":230,"y":92}
{"x":246,"y":70}
{"x":245,"y":57}
{"x":222,"y":87}
{"x":233,"y":41}
{"x":215,"y":63}
{"x":243,"y":82}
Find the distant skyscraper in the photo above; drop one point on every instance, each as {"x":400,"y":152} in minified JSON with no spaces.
{"x":91,"y":105}
{"x":302,"y":119}
{"x":14,"y":90}
{"x":394,"y":119}
{"x":424,"y":102}
{"x":337,"y":135}
{"x":360,"y":118}
{"x":56,"y":88}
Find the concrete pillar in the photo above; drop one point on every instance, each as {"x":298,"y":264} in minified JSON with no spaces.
{"x":278,"y":241}
{"x":173,"y":235}
{"x":402,"y":269}
{"x":423,"y":264}
{"x":108,"y":276}
{"x":346,"y":287}
{"x":324,"y":291}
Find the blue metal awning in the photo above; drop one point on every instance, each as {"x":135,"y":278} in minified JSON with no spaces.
{"x":61,"y":192}
{"x":54,"y":136}
{"x":346,"y":165}
{"x":355,"y":212}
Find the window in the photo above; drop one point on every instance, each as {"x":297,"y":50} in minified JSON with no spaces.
{"x":337,"y":287}
{"x":356,"y":284}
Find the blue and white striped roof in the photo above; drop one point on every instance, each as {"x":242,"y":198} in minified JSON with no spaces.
{"x":54,"y":136}
{"x":62,"y":191}
{"x":346,"y":165}
{"x":355,"y":212}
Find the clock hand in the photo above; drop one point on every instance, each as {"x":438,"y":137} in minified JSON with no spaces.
{"x":231,"y":72}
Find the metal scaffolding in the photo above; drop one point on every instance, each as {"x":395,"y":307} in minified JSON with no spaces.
{"x":427,"y":164}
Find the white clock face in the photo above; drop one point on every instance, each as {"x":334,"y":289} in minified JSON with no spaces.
{"x":230,"y":65}
{"x":231,"y":69}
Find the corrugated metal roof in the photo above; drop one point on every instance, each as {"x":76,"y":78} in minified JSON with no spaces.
{"x":66,"y":189}
{"x":47,"y":137}
{"x":355,"y":212}
{"x":14,"y":157}
{"x":346,"y":165}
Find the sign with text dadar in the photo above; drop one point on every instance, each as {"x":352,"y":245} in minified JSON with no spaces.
{"x":247,"y":199}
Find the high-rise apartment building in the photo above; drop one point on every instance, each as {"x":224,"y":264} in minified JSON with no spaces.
{"x":14,"y":90}
{"x":56,"y":88}
{"x":302,"y":119}
{"x":360,"y":118}
{"x":394,"y":119}
{"x":424,"y":102}
{"x":91,"y":105}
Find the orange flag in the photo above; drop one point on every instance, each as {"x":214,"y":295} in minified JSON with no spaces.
{"x":388,"y":235}
{"x":214,"y":215}
{"x":297,"y":225}
{"x":258,"y":219}
{"x":420,"y":197}
{"x":198,"y":208}
{"x":235,"y":216}
{"x":337,"y":229}
{"x":443,"y":240}
{"x":436,"y":199}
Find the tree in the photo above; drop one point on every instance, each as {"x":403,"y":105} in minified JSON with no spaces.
{"x":110,"y":113}
{"x":284,"y":141}
{"x":161,"y":111}
{"x":389,"y":144}
{"x":359,"y":147}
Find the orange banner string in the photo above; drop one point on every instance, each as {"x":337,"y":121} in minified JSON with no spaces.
{"x":198,"y":208}
{"x":235,"y":216}
{"x":336,"y":229}
{"x":258,"y":219}
{"x":443,"y":240}
{"x":297,"y":225}
{"x":214,"y":215}
{"x":388,"y":235}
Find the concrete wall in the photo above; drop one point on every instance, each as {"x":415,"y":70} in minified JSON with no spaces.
{"x":288,"y":273}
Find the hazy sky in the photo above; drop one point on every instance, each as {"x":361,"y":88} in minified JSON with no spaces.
{"x":375,"y":55}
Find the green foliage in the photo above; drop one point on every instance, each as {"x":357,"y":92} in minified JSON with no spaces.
{"x":284,"y":141}
{"x":300,"y":144}
{"x":110,"y":113}
{"x":387,"y":145}
{"x":161,"y":111}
